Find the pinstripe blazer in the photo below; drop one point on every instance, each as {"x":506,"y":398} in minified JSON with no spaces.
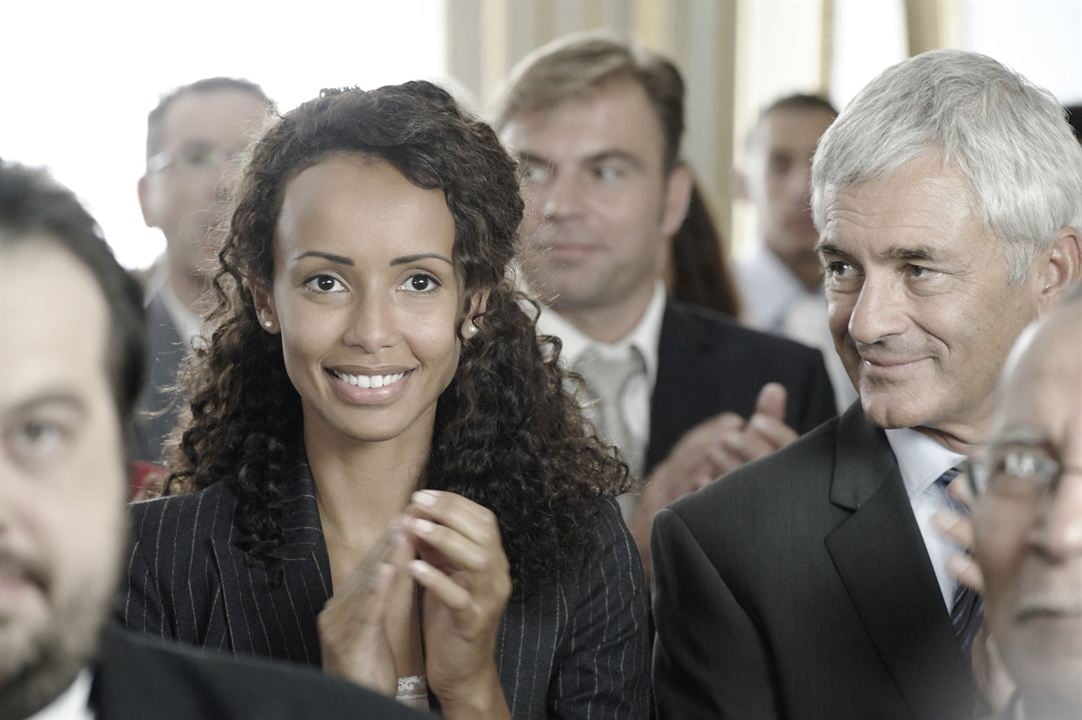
{"x":578,"y":649}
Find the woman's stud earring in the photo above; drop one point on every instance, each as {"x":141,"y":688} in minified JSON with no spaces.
{"x":471,"y":330}
{"x":267,"y":324}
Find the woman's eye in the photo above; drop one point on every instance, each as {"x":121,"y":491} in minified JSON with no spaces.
{"x":324,"y":284}
{"x":421,"y":283}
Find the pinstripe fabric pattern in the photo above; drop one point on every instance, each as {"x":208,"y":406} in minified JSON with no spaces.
{"x":578,"y":649}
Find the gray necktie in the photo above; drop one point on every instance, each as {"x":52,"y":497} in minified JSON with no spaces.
{"x":606,"y":384}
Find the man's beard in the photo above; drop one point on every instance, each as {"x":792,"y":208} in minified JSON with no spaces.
{"x":39,"y":662}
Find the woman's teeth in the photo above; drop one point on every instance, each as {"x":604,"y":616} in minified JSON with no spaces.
{"x":369,"y":381}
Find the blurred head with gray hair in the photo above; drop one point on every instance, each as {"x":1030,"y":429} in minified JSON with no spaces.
{"x":948,"y":195}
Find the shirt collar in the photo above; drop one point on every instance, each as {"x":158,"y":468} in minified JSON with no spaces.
{"x":644,"y":337}
{"x":769,"y":289}
{"x":921,"y":459}
{"x":72,"y":704}
{"x":188,"y":324}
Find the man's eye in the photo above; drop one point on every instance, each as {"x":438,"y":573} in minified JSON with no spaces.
{"x":839,"y":269}
{"x":324,"y":284}
{"x":36,"y":438}
{"x":920,"y":272}
{"x":607,"y":173}
{"x":534,"y":172}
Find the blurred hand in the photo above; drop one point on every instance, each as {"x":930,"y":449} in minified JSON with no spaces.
{"x":352,"y":635}
{"x":989,"y":673}
{"x":466,"y":576}
{"x":764,"y":433}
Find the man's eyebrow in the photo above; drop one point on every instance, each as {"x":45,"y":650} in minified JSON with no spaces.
{"x":340,"y":259}
{"x":64,"y":398}
{"x":528,"y":157}
{"x":618,"y":155}
{"x":919,"y":252}
{"x":825,"y":247}
{"x":1021,"y":435}
{"x":407,"y":259}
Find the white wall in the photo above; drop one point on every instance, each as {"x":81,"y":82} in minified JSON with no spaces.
{"x":77,"y":79}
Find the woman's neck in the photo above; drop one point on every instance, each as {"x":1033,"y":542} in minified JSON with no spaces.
{"x":362,"y":487}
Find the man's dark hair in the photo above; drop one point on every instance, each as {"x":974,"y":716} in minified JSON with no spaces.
{"x":1074,"y":117}
{"x":799,"y":101}
{"x":155,"y":137}
{"x":34,"y":206}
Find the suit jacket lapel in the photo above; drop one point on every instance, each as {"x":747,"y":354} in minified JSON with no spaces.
{"x":279,"y":622}
{"x":675,"y":405}
{"x":881,"y":558}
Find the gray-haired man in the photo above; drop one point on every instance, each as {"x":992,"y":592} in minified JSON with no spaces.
{"x":948,"y":195}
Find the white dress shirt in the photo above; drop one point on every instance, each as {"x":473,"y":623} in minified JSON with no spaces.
{"x":644,"y":337}
{"x":921,"y":461}
{"x":72,"y":704}
{"x":189,"y":325}
{"x":776,"y":301}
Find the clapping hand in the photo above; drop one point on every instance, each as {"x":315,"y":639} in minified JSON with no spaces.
{"x":466,"y":576}
{"x":352,"y":634}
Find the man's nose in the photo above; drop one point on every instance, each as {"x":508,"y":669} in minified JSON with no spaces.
{"x":1057,"y":533}
{"x":563,"y":197}
{"x":878,"y":311}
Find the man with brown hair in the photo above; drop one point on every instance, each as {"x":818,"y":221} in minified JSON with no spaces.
{"x":597,"y":125}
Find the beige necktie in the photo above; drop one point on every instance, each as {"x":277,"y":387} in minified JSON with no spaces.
{"x":607,"y":381}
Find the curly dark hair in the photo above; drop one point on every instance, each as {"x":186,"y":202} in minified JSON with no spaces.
{"x":508,"y":434}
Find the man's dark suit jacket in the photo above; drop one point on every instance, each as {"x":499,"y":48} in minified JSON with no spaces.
{"x":798,"y":587}
{"x":708,"y":364}
{"x":136,"y":677}
{"x":576,"y":649}
{"x":163,"y":355}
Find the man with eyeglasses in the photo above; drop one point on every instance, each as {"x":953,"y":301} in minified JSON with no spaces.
{"x":193,"y":137}
{"x":814,"y":583}
{"x":1027,"y":519}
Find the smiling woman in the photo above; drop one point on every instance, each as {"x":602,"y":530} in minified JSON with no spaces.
{"x":374,"y":416}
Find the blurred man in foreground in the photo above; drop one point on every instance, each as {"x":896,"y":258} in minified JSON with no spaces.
{"x":70,"y":370}
{"x":1028,"y":519}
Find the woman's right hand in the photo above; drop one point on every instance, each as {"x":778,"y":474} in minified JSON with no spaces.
{"x":352,"y":634}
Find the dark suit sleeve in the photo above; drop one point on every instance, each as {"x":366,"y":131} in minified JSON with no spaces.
{"x":709,"y":659}
{"x":816,"y":404}
{"x":603,"y":669}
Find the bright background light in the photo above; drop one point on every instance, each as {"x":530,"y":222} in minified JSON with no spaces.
{"x":77,"y":79}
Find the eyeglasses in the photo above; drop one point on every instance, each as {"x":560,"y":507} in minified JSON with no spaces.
{"x":196,"y":158}
{"x":1017,"y":471}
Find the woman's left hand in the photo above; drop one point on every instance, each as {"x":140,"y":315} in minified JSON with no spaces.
{"x":467,"y":583}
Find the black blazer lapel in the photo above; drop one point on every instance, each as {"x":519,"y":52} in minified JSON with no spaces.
{"x":279,"y":622}
{"x":880,"y":556}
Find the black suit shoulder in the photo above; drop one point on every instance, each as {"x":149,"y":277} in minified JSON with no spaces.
{"x":141,"y":677}
{"x":174,"y":588}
